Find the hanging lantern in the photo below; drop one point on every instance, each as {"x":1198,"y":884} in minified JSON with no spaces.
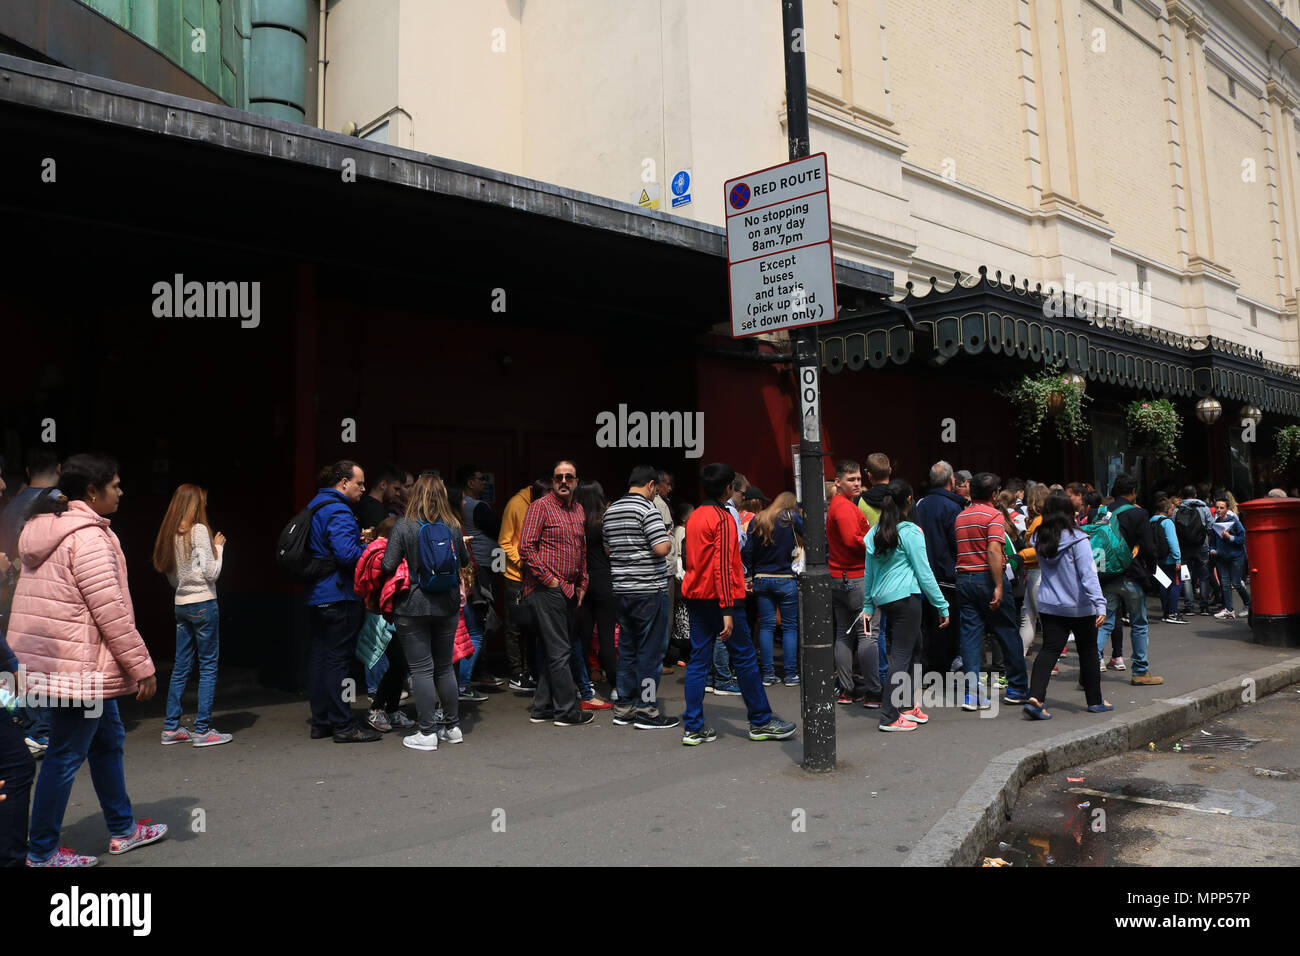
{"x":1209,"y":409}
{"x":1077,"y":380}
{"x":1055,"y":403}
{"x":1252,"y":414}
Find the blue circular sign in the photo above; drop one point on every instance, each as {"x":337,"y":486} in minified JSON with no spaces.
{"x":681,"y":183}
{"x":739,"y":197}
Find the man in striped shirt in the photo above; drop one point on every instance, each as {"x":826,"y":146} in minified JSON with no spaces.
{"x":553,"y":546}
{"x":985,"y":603}
{"x":637,"y":542}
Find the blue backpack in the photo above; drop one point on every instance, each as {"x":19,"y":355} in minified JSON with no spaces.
{"x":438,"y":561}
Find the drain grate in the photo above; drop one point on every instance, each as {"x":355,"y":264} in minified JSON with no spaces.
{"x":1220,"y":742}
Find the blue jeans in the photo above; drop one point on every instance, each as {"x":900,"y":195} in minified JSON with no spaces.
{"x":197,"y":633}
{"x":1230,"y":568}
{"x":376,"y":674}
{"x":771,"y":594}
{"x":473,"y":624}
{"x":1126,"y":591}
{"x":76,"y":738}
{"x":643,"y":639}
{"x":17,"y":770}
{"x":578,"y":668}
{"x":1198,"y":586}
{"x":706,"y":625}
{"x":720,"y":666}
{"x":1170,"y":596}
{"x":975,"y":592}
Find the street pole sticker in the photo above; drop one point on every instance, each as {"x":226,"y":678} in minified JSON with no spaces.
{"x":779,"y":257}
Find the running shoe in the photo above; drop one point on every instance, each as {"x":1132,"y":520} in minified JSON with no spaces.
{"x":693,"y":738}
{"x":451,"y":735}
{"x":178,"y":736}
{"x":729,"y":689}
{"x":420,"y":741}
{"x":1117,"y":664}
{"x":901,"y":724}
{"x":379,"y":720}
{"x":399,"y":720}
{"x":774,"y":729}
{"x":916,"y":715}
{"x":212,"y":738}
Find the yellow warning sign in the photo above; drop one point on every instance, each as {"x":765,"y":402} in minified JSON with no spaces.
{"x":647,"y":197}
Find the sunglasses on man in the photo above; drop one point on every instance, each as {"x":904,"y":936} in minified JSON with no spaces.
{"x":563,"y":479}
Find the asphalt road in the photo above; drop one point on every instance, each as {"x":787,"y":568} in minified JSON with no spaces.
{"x":593,"y":794}
{"x":1225,"y":794}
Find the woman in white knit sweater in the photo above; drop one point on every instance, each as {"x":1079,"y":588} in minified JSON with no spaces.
{"x":190,"y":555}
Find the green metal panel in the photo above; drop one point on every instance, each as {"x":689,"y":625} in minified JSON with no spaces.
{"x":212,"y":59}
{"x":277,"y":68}
{"x":192,"y":10}
{"x":144,"y":20}
{"x":115,"y":10}
{"x":169,"y":29}
{"x":228,"y":89}
{"x":277,"y":110}
{"x":292,"y":14}
{"x":190,"y":59}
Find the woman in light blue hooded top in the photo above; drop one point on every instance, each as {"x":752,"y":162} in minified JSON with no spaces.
{"x":897,"y":572}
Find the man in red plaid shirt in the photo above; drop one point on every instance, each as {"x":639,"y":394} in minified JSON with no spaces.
{"x":553,"y":546}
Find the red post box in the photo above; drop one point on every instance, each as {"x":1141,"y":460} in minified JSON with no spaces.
{"x":1273,"y":552}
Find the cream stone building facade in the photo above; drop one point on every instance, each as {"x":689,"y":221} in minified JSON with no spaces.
{"x":1112,"y":146}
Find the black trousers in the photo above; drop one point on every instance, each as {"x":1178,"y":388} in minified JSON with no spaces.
{"x":519,"y":639}
{"x":334,"y":631}
{"x":600,"y":611}
{"x":940,"y":645}
{"x":556,"y":696}
{"x":1056,"y":631}
{"x":17,"y":770}
{"x":903,"y":630}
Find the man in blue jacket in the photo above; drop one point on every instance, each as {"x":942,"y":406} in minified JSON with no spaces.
{"x":336,"y":611}
{"x":1228,"y":553}
{"x":936,"y":514}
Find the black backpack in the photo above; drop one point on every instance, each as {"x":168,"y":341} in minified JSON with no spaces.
{"x":292,"y":553}
{"x":1162,"y":542}
{"x":1190,"y":528}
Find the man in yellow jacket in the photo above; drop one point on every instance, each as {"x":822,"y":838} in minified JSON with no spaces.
{"x":518,"y":642}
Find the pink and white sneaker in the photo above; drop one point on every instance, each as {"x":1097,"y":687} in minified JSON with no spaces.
{"x":144,"y":834}
{"x":66,"y":856}
{"x":178,"y":736}
{"x":902,"y":723}
{"x":916,"y":715}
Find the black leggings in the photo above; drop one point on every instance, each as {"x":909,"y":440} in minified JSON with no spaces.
{"x":600,"y":611}
{"x":1056,"y":631}
{"x":903,"y":635}
{"x":388,"y":697}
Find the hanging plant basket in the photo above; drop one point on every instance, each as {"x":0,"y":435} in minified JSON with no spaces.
{"x":1048,"y":395}
{"x":1287,"y":457}
{"x":1155,"y":427}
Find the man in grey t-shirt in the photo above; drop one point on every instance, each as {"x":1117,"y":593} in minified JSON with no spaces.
{"x":637,"y":543}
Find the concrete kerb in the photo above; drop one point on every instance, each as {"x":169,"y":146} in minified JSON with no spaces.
{"x":962,"y":833}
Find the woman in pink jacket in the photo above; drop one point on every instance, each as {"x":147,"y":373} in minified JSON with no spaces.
{"x":73,"y":628}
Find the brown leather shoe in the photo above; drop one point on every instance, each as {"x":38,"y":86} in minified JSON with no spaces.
{"x":1146,"y":679}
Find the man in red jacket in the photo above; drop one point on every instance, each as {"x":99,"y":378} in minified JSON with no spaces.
{"x":714,"y":591}
{"x":846,"y":554}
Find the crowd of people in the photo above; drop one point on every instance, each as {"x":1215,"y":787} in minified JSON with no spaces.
{"x":406,"y":580}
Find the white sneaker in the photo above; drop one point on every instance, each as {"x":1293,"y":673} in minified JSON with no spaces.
{"x":451,"y":735}
{"x":398,"y":719}
{"x":419,"y":741}
{"x":1225,"y":615}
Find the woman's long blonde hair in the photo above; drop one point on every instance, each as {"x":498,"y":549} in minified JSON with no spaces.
{"x":189,"y":507}
{"x":429,"y":502}
{"x":763,"y":524}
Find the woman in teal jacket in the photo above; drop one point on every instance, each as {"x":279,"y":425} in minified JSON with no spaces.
{"x":897,"y":572}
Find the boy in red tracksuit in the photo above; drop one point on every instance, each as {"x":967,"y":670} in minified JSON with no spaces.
{"x":714,"y":592}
